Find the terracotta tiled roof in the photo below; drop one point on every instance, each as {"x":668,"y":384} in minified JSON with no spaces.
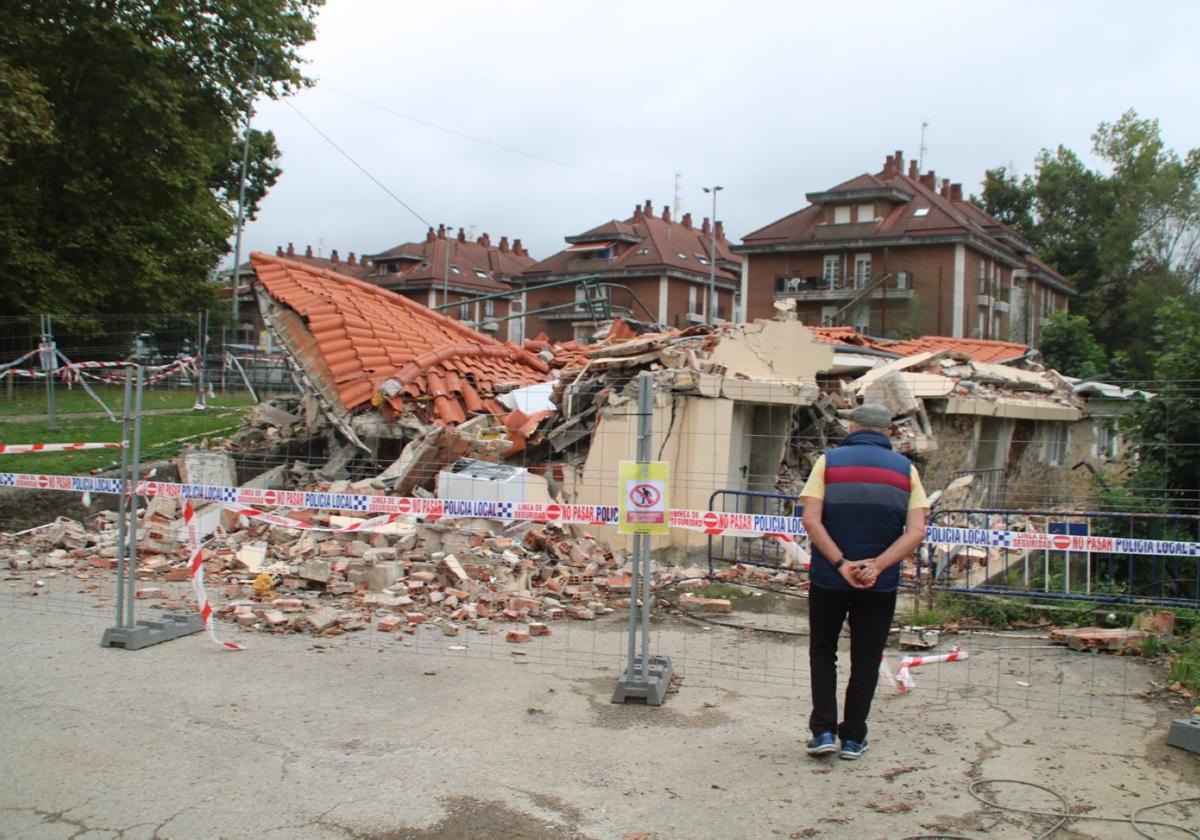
{"x":661,"y":244}
{"x":978,"y":349}
{"x":367,"y":335}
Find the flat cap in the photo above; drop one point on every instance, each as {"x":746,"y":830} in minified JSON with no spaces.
{"x":876,"y":416}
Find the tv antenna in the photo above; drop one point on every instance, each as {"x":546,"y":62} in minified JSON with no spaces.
{"x":921,"y":151}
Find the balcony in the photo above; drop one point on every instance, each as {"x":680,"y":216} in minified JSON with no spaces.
{"x":840,"y":288}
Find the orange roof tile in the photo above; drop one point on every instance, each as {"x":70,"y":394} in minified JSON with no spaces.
{"x":978,"y":349}
{"x":367,"y":335}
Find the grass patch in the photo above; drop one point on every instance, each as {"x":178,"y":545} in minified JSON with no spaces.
{"x":32,"y":399}
{"x":1184,"y":666}
{"x":162,"y":437}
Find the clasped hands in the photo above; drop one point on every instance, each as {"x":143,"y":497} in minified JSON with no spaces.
{"x":861,"y":574}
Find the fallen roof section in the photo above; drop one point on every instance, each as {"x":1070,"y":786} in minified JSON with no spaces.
{"x":364,"y":346}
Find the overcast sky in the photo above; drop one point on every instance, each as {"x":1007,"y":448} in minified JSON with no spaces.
{"x":768,"y":99}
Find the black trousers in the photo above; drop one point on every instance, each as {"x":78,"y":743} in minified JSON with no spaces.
{"x":870,"y":619}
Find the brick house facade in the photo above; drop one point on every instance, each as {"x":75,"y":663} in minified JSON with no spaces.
{"x":659,"y":271}
{"x":900,"y":253}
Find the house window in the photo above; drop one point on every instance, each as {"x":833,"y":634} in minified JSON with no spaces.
{"x":643,"y":252}
{"x":830,"y":272}
{"x":681,"y":255}
{"x":464,"y":311}
{"x":920,"y":212}
{"x":866,"y":212}
{"x":455,"y":269}
{"x":1104,"y":446}
{"x":480,"y":273}
{"x":489,"y":308}
{"x":1056,"y":438}
{"x":982,"y":276}
{"x":700,"y":258}
{"x":841,"y":215}
{"x":693,"y":301}
{"x":862,"y":269}
{"x":580,"y":298}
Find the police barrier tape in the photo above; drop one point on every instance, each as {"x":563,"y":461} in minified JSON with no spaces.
{"x":196,"y":573}
{"x":903,"y":679}
{"x":715,"y":523}
{"x":21,"y":448}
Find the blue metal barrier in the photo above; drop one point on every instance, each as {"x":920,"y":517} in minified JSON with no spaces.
{"x":753,"y":551}
{"x":1106,"y":578}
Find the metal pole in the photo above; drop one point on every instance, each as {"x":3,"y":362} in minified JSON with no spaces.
{"x":446,"y":270}
{"x":241,"y":216}
{"x":201,"y":333}
{"x":48,"y":367}
{"x":710,"y":304}
{"x":642,"y":544}
{"x":134,"y":474}
{"x":633,"y":613}
{"x":121,"y":499}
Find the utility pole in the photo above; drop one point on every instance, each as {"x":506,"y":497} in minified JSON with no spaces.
{"x":446,"y":270}
{"x":241,"y":217}
{"x":711,"y":303}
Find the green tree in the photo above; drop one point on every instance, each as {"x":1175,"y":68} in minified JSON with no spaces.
{"x":120,"y":142}
{"x":1129,"y":237}
{"x":1168,"y":424}
{"x":1067,"y":345}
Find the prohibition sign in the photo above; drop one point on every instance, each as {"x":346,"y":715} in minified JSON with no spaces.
{"x":644,"y":495}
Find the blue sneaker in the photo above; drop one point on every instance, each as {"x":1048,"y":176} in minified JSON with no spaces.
{"x":823,"y":744}
{"x":853,"y":749}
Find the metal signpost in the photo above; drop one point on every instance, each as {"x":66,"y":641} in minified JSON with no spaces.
{"x":127,"y":633}
{"x":644,"y":511}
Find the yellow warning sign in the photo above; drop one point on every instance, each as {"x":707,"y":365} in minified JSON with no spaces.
{"x":644,"y":508}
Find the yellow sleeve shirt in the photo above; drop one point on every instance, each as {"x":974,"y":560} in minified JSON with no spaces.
{"x":814,"y":488}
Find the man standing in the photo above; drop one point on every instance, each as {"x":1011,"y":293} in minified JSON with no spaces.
{"x":864,"y":510}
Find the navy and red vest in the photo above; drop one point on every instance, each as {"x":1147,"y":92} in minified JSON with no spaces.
{"x":867,"y":486}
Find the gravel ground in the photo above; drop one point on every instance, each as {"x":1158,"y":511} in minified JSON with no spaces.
{"x":366,"y":736}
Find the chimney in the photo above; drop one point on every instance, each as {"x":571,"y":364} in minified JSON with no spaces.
{"x":719,"y":231}
{"x":687,"y":220}
{"x":929,"y":179}
{"x":666,"y":213}
{"x":956,"y":192}
{"x":889,"y":166}
{"x":279,"y":250}
{"x":291,"y":251}
{"x":503,"y":244}
{"x":898,"y":157}
{"x":485,"y":241}
{"x":441,"y":234}
{"x":462,"y":235}
{"x":517,"y":249}
{"x":704,"y":228}
{"x":637,"y":212}
{"x":912,"y":169}
{"x":430,"y":236}
{"x":945,"y":188}
{"x":350,"y":260}
{"x":648,"y":208}
{"x":333,"y":256}
{"x":308,"y":251}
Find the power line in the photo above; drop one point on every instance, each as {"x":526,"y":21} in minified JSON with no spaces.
{"x":495,"y":145}
{"x":360,"y":167}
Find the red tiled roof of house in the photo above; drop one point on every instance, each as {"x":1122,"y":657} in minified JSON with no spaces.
{"x":481,"y":266}
{"x":942,"y":212}
{"x":678,"y":246}
{"x":366,"y":335}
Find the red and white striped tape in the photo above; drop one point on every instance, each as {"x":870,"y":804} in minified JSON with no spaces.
{"x":904,"y":680}
{"x":20,"y":448}
{"x":196,"y":570}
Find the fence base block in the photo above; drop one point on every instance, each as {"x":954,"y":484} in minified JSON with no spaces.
{"x":152,"y":631}
{"x":1185,"y":733}
{"x":650,"y":688}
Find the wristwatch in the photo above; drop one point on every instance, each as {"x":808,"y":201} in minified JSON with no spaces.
{"x":837,"y":564}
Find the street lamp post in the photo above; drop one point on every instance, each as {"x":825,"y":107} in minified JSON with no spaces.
{"x":446,"y":272}
{"x":711,"y":303}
